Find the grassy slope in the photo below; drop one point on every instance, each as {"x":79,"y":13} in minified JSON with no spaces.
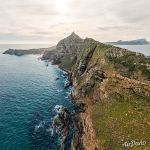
{"x":132,"y":65}
{"x":123,"y":120}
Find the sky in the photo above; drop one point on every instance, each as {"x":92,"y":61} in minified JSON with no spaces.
{"x":48,"y":21}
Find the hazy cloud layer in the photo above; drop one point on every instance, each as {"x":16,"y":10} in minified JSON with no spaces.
{"x":48,"y":21}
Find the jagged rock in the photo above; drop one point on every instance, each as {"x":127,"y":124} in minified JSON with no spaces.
{"x":98,"y":75}
{"x":63,"y":121}
{"x":57,"y":79}
{"x":80,"y":106}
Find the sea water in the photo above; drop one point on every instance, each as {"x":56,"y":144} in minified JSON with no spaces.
{"x":29,"y":92}
{"x":144,"y":49}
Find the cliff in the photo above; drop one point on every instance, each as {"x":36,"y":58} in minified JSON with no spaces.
{"x":111,"y":87}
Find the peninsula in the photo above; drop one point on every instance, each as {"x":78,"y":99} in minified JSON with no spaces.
{"x":111,"y":87}
{"x":20,"y":52}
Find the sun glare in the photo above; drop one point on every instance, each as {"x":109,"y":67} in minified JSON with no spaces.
{"x":61,"y":6}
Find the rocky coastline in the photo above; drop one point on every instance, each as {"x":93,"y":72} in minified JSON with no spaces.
{"x":105,"y":79}
{"x":84,"y":137}
{"x":93,"y":68}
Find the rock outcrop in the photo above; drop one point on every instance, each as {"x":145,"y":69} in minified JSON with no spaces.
{"x":62,"y":124}
{"x":66,"y":52}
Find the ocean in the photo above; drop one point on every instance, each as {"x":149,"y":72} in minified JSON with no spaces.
{"x":145,"y":49}
{"x":28,"y":95}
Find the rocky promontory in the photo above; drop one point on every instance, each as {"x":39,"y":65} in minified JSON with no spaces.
{"x":111,"y":89}
{"x":20,"y":52}
{"x":112,"y":86}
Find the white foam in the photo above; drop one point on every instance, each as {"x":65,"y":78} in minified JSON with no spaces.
{"x":59,"y":90}
{"x":38,"y":126}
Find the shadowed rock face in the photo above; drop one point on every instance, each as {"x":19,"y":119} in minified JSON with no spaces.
{"x":66,"y":122}
{"x":87,"y":56}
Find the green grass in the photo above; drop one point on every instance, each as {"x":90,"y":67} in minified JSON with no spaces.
{"x":129,"y":64}
{"x":122,"y":120}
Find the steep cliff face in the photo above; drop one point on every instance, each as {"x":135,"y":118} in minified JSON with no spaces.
{"x":111,"y":87}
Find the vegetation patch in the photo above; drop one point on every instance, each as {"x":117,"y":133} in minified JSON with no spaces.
{"x":122,"y":121}
{"x":130,"y":64}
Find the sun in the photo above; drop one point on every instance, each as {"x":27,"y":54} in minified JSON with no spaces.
{"x":61,"y":6}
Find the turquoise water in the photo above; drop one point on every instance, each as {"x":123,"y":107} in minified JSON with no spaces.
{"x":28,"y":94}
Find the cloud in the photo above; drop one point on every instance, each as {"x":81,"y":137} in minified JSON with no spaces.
{"x":103,"y":20}
{"x":132,"y":12}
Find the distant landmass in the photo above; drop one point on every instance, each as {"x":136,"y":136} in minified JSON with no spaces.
{"x":20,"y":52}
{"x":133,"y":42}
